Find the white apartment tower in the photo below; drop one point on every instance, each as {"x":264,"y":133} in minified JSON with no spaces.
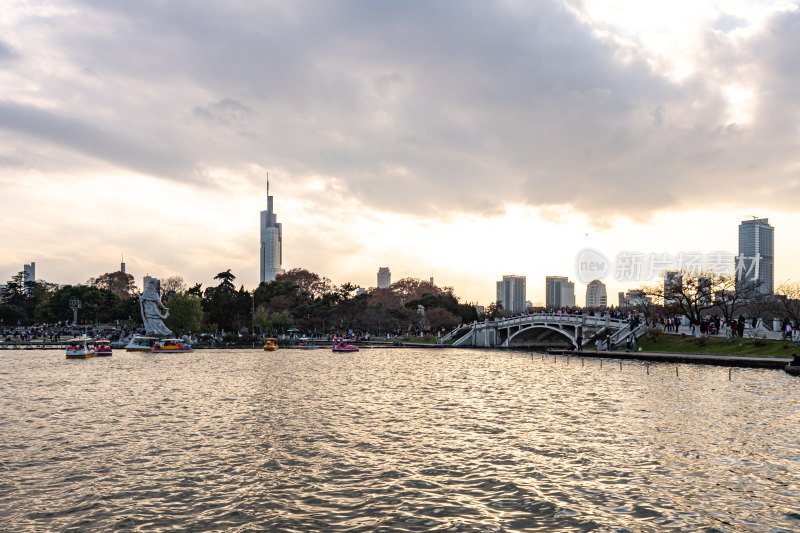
{"x":384,"y":278}
{"x":271,"y":242}
{"x":596,"y":294}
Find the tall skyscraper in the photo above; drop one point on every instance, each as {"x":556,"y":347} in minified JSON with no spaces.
{"x":511,"y":293}
{"x":756,"y":260}
{"x":384,"y":278}
{"x":596,"y":294}
{"x":271,"y":242}
{"x":122,"y":265}
{"x":559,"y":292}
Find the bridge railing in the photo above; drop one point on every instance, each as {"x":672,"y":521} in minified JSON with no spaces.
{"x":548,"y":318}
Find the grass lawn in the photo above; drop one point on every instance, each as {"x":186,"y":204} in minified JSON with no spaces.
{"x":715,"y":345}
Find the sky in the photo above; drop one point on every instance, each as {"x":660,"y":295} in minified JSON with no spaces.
{"x":456,"y":139}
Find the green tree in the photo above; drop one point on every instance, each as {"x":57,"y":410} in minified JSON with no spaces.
{"x":185,"y":313}
{"x":14,"y":293}
{"x":226,"y":280}
{"x":101,"y":304}
{"x":494,"y":310}
{"x":196,"y":289}
{"x":263,"y":319}
{"x":225,"y":306}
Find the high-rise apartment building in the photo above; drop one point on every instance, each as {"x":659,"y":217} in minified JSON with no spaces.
{"x":511,"y":293}
{"x":596,"y":294}
{"x":271,"y":242}
{"x":756,"y":260}
{"x":384,"y":278}
{"x":559,"y":292}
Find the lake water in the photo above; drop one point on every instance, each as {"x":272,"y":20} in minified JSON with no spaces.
{"x":393,"y":440}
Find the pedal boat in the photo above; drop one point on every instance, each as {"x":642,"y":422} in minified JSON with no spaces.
{"x":171,"y":346}
{"x":79,"y":348}
{"x":270,"y":345}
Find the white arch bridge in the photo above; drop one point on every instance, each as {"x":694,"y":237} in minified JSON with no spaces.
{"x":547,"y":331}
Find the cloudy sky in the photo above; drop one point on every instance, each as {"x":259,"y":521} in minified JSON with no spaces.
{"x":457,"y":139}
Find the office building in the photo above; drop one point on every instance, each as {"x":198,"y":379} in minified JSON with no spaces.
{"x":147,"y":280}
{"x":511,"y":293}
{"x":384,"y":278}
{"x":621,"y":297}
{"x":28,"y":276}
{"x":596,"y":294}
{"x":756,"y":259}
{"x":271,"y":242}
{"x":559,"y":292}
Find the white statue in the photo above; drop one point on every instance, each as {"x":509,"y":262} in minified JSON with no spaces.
{"x":424,"y":323}
{"x":151,"y":306}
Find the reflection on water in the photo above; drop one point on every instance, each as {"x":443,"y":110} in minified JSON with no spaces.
{"x":391,"y":439}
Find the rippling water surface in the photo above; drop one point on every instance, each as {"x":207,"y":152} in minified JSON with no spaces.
{"x":393,"y":439}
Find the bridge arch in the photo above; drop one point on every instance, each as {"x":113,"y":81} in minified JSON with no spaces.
{"x":539,"y":335}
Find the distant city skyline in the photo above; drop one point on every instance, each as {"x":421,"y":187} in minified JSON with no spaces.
{"x":492,"y":138}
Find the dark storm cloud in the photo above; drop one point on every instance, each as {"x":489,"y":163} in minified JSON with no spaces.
{"x":414,"y":106}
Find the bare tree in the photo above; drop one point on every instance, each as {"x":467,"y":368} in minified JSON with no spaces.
{"x":307,"y":282}
{"x":172,"y":286}
{"x":789,"y":306}
{"x":693,"y":296}
{"x":120,"y":283}
{"x":733,"y":298}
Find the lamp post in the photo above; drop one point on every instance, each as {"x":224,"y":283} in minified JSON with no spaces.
{"x":75,"y":304}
